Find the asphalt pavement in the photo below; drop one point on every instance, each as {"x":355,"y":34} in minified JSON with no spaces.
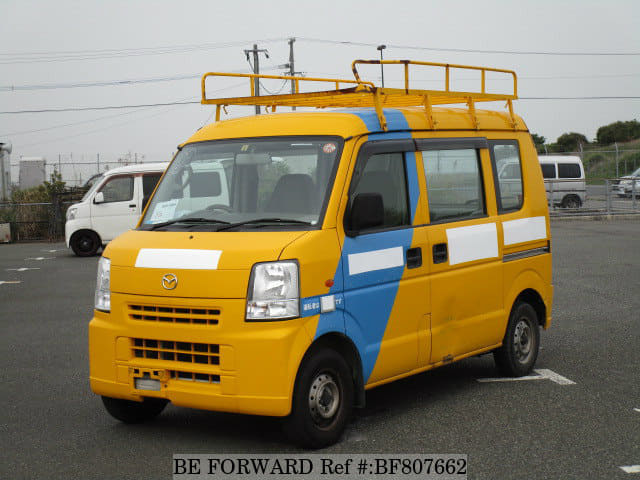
{"x":53,"y":426}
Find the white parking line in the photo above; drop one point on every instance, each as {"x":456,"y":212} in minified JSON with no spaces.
{"x":51,"y":251}
{"x":637,"y":410}
{"x":22,"y":269}
{"x":2,"y":282}
{"x":542,"y":374}
{"x":631,"y":469}
{"x":554,"y":377}
{"x":39,"y":258}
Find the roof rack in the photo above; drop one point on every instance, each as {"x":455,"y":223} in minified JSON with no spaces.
{"x":359,"y":93}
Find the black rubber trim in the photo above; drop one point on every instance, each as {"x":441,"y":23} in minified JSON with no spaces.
{"x":451,"y":143}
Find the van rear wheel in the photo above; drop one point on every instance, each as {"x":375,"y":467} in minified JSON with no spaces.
{"x":571,"y":201}
{"x":322,"y":401}
{"x":85,"y":243}
{"x":519,"y":350}
{"x":128,"y":411}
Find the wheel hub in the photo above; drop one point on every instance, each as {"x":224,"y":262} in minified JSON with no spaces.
{"x":324,"y":397}
{"x":522,"y":340}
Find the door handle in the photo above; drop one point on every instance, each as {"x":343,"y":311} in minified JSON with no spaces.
{"x":440,"y":254}
{"x":132,"y":205}
{"x":414,"y":257}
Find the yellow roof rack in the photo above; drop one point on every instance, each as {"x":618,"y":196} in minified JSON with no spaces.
{"x":359,"y":93}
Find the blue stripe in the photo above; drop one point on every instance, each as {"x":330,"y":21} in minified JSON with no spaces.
{"x":369,"y":296}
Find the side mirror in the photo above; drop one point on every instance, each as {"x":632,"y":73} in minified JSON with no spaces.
{"x":367,"y":211}
{"x":98,"y":198}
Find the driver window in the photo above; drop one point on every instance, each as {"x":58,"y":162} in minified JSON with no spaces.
{"x":118,"y":189}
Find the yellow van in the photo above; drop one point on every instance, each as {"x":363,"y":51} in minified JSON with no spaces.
{"x":289,"y":262}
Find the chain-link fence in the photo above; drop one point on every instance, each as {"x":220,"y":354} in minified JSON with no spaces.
{"x":37,"y":221}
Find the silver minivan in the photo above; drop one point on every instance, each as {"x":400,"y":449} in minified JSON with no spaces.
{"x":564,"y":180}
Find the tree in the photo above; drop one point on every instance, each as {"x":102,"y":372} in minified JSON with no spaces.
{"x":618,"y":132}
{"x":568,"y":142}
{"x":538,"y":141}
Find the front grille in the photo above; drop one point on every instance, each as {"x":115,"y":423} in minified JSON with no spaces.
{"x":194,"y":377}
{"x":200,"y":353}
{"x":192,"y":315}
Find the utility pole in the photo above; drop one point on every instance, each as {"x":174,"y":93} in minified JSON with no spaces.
{"x":381,"y":48}
{"x":292,"y":70}
{"x":256,"y":69}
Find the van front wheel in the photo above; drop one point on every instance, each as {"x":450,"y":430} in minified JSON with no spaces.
{"x":85,"y":243}
{"x":322,"y":401}
{"x":519,"y":350}
{"x":128,"y":411}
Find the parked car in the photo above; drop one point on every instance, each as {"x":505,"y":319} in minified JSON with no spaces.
{"x":629,"y":184}
{"x":110,"y":207}
{"x":564,"y":180}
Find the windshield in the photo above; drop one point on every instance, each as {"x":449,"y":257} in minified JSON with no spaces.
{"x":252,"y":182}
{"x":636,"y":173}
{"x":97,"y":181}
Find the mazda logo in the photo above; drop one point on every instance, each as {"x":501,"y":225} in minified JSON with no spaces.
{"x":169,"y":281}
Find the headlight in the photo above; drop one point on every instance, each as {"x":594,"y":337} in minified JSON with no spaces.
{"x":103,"y":289}
{"x":273,"y":291}
{"x":71,"y":213}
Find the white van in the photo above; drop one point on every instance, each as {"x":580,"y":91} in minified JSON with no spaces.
{"x":564,"y":180}
{"x":111,"y":207}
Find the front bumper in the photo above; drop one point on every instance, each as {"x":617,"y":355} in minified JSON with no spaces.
{"x":200,"y":352}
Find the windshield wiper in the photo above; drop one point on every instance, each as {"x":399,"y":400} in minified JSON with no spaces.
{"x":192,"y":220}
{"x":263,"y":220}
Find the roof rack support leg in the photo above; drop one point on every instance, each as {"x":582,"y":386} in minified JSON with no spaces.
{"x":218,"y":112}
{"x":514,"y":123}
{"x":429,"y":111}
{"x":472,"y":110}
{"x":379,"y":111}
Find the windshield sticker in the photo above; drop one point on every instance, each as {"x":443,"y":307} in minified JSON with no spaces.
{"x":164,"y":211}
{"x":329,"y":147}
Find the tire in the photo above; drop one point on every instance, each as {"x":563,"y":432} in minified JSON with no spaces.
{"x":521,"y":342}
{"x":322,"y":401}
{"x":128,"y":411}
{"x":85,"y":243}
{"x":571,"y":201}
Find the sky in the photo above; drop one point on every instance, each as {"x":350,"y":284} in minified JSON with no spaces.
{"x":66,"y":44}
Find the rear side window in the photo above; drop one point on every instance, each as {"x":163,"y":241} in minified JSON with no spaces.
{"x":454,"y":184}
{"x":118,"y":189}
{"x":507,"y":173}
{"x":149,"y":183}
{"x":548,"y":170}
{"x":568,"y":170}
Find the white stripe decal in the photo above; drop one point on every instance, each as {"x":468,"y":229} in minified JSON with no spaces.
{"x":524,"y":230}
{"x":475,"y":242}
{"x":375,"y":260}
{"x":178,"y":258}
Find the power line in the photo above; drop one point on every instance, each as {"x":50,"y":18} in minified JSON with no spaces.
{"x":47,"y":57}
{"x":107,"y":107}
{"x":462,"y":50}
{"x":124,"y":82}
{"x":145,"y":105}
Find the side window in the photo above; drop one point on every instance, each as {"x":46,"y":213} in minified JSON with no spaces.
{"x":149,"y":183}
{"x":454,"y":184}
{"x":548,"y":170}
{"x":384,"y":173}
{"x":507,"y":172}
{"x":119,"y":189}
{"x":568,"y":170}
